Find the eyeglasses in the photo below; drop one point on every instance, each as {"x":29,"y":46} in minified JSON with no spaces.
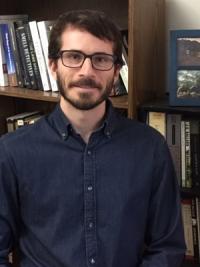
{"x":75,"y":59}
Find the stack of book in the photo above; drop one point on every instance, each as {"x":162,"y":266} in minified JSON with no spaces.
{"x":182,"y":133}
{"x":183,"y":137}
{"x":24,"y":55}
{"x":18,"y":120}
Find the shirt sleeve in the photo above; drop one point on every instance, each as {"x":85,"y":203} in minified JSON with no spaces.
{"x":165,"y":245}
{"x":9,"y":211}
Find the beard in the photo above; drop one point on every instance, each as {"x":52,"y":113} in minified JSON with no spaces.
{"x":85,"y":100}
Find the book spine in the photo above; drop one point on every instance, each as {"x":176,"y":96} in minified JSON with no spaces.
{"x":12,"y":76}
{"x":16,"y":54}
{"x":27,"y":57}
{"x":39,"y":55}
{"x":188,"y":177}
{"x":33,"y":57}
{"x":27,"y":82}
{"x":197,"y":199}
{"x":3,"y":66}
{"x":43,"y":32}
{"x":187,"y":223}
{"x":173,"y":137}
{"x":183,"y":173}
{"x":157,"y":120}
{"x":124,"y":73}
{"x":195,"y":153}
{"x":195,"y":229}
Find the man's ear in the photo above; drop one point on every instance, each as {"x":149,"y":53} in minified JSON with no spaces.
{"x":53,"y":68}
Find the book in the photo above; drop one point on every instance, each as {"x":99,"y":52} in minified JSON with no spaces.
{"x":17,"y":120}
{"x":197,"y":200}
{"x":124,"y":72}
{"x":16,"y":54}
{"x":9,"y":55}
{"x":186,"y":204}
{"x":44,"y":28}
{"x":10,"y":20}
{"x":14,"y":17}
{"x":23,"y":45}
{"x":173,"y":137}
{"x":183,"y":172}
{"x":39,"y":55}
{"x":3,"y":66}
{"x":195,"y":152}
{"x":188,"y":171}
{"x":157,"y":120}
{"x":195,"y":229}
{"x":33,"y":57}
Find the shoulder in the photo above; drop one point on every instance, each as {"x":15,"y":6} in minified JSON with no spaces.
{"x":138,"y":131}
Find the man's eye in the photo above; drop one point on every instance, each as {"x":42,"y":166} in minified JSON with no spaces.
{"x":100,"y":59}
{"x":74,"y":56}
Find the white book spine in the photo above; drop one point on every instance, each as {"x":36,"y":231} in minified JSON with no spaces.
{"x":124,"y":73}
{"x":39,"y":55}
{"x":45,"y":43}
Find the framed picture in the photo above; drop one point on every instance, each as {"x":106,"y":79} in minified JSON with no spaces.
{"x":184,"y":68}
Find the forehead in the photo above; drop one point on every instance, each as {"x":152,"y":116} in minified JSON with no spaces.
{"x":77,"y":39}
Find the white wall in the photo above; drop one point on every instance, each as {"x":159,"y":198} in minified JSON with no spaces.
{"x":181,"y":14}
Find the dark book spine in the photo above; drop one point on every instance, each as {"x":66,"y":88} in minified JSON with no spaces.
{"x":27,"y":81}
{"x":10,"y":61}
{"x":27,"y":55}
{"x":33,"y":57}
{"x":16,"y":54}
{"x":195,"y":229}
{"x":195,"y":153}
{"x":188,"y":155}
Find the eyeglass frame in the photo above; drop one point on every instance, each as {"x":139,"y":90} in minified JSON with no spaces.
{"x":114,"y":57}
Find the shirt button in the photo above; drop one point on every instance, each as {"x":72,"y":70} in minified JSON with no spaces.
{"x":90,"y":225}
{"x":108,"y":134}
{"x":89,"y":152}
{"x":92,"y":261}
{"x":64,"y":135}
{"x":89,"y":188}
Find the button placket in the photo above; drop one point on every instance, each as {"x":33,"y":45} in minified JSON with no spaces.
{"x":90,"y":207}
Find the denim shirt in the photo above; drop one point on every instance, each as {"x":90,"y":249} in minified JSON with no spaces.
{"x":113,"y":202}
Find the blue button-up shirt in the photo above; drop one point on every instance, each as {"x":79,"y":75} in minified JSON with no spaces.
{"x":113,"y":202}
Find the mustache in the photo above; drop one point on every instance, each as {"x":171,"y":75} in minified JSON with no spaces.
{"x":85,"y":82}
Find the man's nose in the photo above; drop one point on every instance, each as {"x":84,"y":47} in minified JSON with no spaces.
{"x":87,"y":66}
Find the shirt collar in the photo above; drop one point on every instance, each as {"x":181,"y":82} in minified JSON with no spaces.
{"x":62,"y":125}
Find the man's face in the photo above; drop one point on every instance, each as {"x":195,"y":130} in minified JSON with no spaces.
{"x":84,"y":87}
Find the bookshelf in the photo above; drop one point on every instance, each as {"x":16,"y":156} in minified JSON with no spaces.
{"x":187,"y":113}
{"x":145,"y":22}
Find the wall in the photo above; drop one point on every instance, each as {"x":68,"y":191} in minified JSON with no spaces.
{"x":181,"y":14}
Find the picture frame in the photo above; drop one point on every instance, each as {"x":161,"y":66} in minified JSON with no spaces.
{"x":184,"y":68}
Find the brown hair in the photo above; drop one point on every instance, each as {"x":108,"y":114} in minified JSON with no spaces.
{"x":94,"y":22}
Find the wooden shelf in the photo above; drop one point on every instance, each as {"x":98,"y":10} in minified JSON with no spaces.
{"x":118,"y":101}
{"x":29,"y":94}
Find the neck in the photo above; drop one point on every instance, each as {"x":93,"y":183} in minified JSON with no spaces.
{"x":84,"y":122}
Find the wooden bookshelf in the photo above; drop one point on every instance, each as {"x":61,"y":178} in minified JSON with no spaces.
{"x":118,"y":101}
{"x":146,"y":25}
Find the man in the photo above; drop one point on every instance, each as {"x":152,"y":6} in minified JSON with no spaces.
{"x":85,"y":186}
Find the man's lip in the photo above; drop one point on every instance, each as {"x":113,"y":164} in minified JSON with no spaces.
{"x":85,"y":87}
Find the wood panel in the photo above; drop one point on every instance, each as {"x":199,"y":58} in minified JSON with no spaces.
{"x":146,"y":52}
{"x":50,"y":9}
